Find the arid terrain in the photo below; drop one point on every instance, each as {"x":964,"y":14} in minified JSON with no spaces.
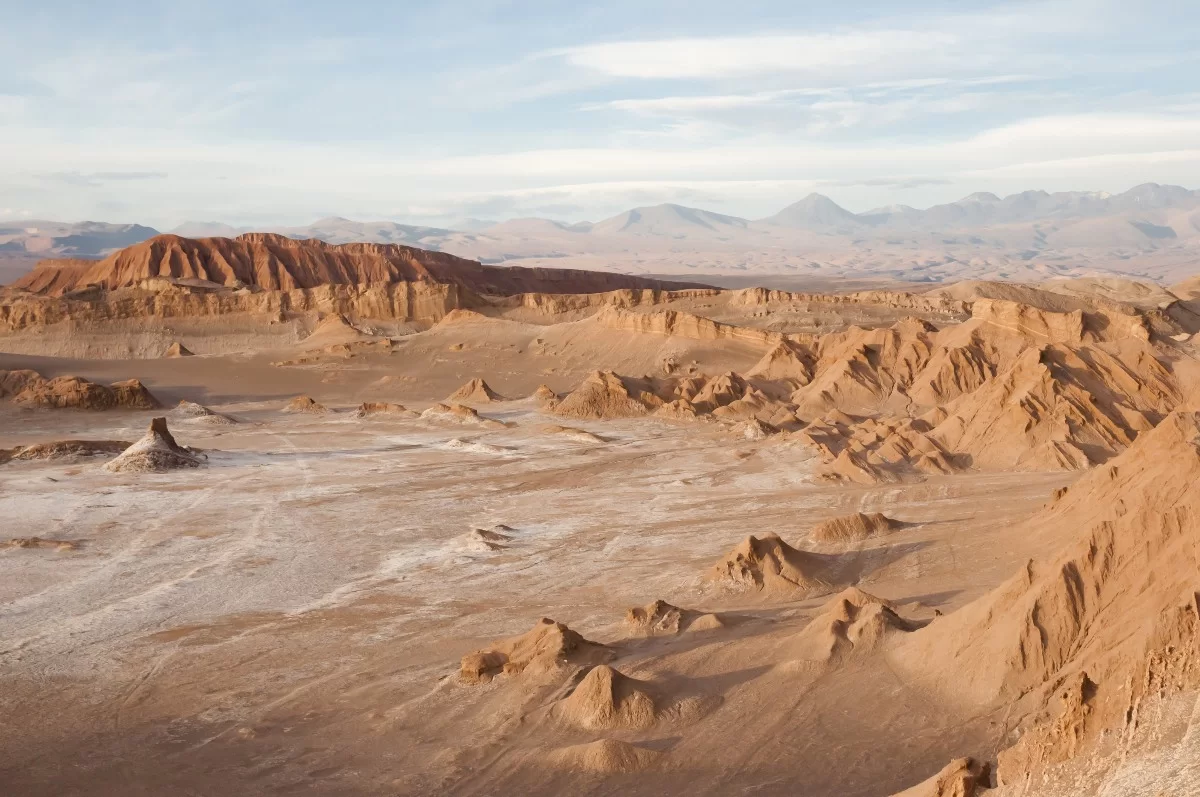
{"x":289,"y":517}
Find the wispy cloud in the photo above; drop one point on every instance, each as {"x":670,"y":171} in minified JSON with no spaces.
{"x":98,"y":179}
{"x":720,"y":57}
{"x":701,"y":103}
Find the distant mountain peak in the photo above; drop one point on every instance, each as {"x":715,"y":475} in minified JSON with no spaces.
{"x":670,"y":220}
{"x":814,"y":212}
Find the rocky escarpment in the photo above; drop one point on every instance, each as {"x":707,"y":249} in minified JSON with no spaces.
{"x":275,"y":263}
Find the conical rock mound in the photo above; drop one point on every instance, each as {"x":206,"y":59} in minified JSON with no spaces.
{"x":604,"y":756}
{"x":190,"y":410}
{"x":606,"y":700}
{"x":605,"y":395}
{"x":305,"y":404}
{"x":476,"y":391}
{"x":545,"y":649}
{"x":544,"y":395}
{"x":754,"y":429}
{"x":768,"y":564}
{"x":177,"y":349}
{"x":157,"y":451}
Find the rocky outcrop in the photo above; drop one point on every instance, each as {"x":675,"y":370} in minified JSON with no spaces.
{"x":156,"y":452}
{"x":605,"y":395}
{"x":460,"y":414}
{"x":853,"y":528}
{"x":306,"y":405}
{"x":476,"y":391}
{"x":30,"y":389}
{"x":275,"y":263}
{"x":962,"y":777}
{"x":64,"y":450}
{"x":661,"y":618}
{"x":769,"y":565}
{"x":371,"y":409}
{"x":604,"y":757}
{"x":851,"y":624}
{"x":936,"y":305}
{"x":680,"y":324}
{"x":550,"y":304}
{"x":547,"y":648}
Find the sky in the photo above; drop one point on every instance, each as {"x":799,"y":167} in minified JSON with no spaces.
{"x":258,"y":112}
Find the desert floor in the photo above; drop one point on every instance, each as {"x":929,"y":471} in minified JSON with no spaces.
{"x":289,"y":618}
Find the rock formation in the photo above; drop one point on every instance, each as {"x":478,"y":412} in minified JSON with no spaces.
{"x":962,"y":777}
{"x":607,"y":700}
{"x":852,"y":623}
{"x":460,"y":414}
{"x":683,"y":325}
{"x":605,"y":395}
{"x":476,"y":391}
{"x":65,"y":450}
{"x":544,"y":396}
{"x":853,"y":528}
{"x":30,"y":389}
{"x":157,"y":451}
{"x":177,"y":349}
{"x":305,"y":404}
{"x":369,"y":409}
{"x":191,"y":411}
{"x":546,"y":648}
{"x":661,"y":618}
{"x":769,"y":565}
{"x":604,"y":757}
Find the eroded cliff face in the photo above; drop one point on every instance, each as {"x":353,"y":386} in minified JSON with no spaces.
{"x":684,"y":325}
{"x":424,"y":302}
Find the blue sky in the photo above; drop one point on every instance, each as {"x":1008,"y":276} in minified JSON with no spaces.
{"x":281,"y":112}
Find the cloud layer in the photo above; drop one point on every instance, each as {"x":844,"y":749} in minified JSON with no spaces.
{"x":427,"y":114}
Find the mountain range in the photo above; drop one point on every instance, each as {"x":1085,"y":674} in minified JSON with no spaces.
{"x":1148,"y":231}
